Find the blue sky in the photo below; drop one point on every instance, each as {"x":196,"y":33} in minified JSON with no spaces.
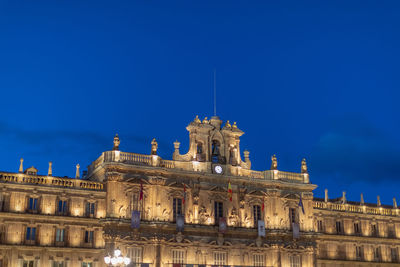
{"x":313,"y":79}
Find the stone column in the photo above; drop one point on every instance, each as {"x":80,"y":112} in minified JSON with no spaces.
{"x":113,"y":193}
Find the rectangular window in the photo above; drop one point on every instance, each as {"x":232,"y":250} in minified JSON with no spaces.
{"x":358,"y":253}
{"x":256,"y":214}
{"x":258,"y":260}
{"x":220,"y":258}
{"x":178,"y":256}
{"x":62,"y":207}
{"x":374,"y":231}
{"x":1,"y":202}
{"x":58,"y":264}
{"x":89,"y":236}
{"x":28,"y":263}
{"x":339,"y":227}
{"x":30,"y":233}
{"x":320,"y":226}
{"x":377,"y":254}
{"x":90,"y":209}
{"x":293,"y":215}
{"x":393,"y":253}
{"x":87,"y":264}
{"x":60,"y":235}
{"x":295,"y":261}
{"x":33,"y":204}
{"x":218,"y":211}
{"x":135,"y":202}
{"x":391,"y":231}
{"x":177,"y":207}
{"x":135,"y":254}
{"x":357,"y":228}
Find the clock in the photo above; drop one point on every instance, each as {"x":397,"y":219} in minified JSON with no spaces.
{"x":218,"y":169}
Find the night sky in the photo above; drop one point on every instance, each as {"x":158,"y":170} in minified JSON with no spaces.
{"x":313,"y":79}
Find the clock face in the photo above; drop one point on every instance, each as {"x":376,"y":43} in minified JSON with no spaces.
{"x":218,"y":169}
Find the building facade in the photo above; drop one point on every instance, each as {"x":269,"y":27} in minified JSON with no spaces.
{"x":205,"y":207}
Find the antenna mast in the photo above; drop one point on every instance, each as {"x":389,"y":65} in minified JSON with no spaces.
{"x":215,"y":93}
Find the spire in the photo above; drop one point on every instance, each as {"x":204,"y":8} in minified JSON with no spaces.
{"x":361,"y":199}
{"x":77,"y":174}
{"x":326,"y":195}
{"x":21,"y":165}
{"x":394,"y":203}
{"x":50,"y":171}
{"x":344,"y":197}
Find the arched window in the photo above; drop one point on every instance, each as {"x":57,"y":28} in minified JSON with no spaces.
{"x":215,"y":151}
{"x":199,"y":152}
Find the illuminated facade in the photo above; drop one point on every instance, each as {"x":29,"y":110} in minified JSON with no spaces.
{"x":51,"y":221}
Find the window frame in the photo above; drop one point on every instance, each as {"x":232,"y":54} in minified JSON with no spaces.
{"x":177,"y":207}
{"x":218,"y":211}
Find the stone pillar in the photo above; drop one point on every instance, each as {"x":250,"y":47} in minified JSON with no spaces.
{"x":113,"y":193}
{"x":158,"y":254}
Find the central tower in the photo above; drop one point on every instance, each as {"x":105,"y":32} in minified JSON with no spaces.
{"x":213,"y":143}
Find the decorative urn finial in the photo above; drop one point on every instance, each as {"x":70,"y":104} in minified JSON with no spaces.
{"x":77,"y":174}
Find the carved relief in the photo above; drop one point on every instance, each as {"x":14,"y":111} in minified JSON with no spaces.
{"x":204,"y":215}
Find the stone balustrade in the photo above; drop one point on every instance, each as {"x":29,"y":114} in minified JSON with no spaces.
{"x":354,"y":208}
{"x":157,"y":161}
{"x":21,"y":178}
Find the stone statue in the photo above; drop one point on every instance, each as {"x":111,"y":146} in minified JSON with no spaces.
{"x":197,"y":120}
{"x":304,"y":166}
{"x":116,"y":142}
{"x":203,"y":215}
{"x":154,"y":147}
{"x":234,"y":217}
{"x":274,"y":164}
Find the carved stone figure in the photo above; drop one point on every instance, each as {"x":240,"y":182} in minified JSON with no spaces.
{"x":304,"y":166}
{"x":274,"y":164}
{"x":234,"y":218}
{"x":203,"y":215}
{"x":116,"y":142}
{"x":154,"y":147}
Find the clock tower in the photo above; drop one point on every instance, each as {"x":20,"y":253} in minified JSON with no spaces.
{"x":212,"y":145}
